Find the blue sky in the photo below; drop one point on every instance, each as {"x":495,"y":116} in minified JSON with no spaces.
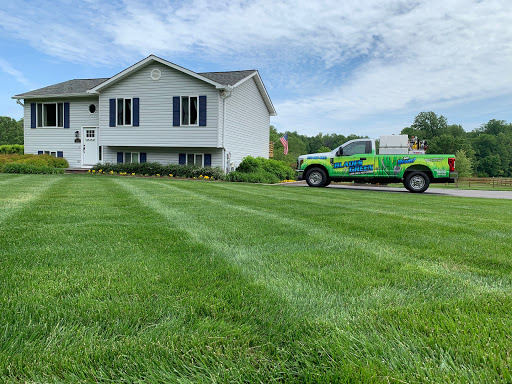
{"x":365,"y":67}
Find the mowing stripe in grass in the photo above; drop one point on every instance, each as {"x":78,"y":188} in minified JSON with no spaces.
{"x":22,"y":191}
{"x":385,"y":249}
{"x":132,"y":279}
{"x":189,"y":212}
{"x":286,"y":276}
{"x":124,"y":295}
{"x":480,"y":223}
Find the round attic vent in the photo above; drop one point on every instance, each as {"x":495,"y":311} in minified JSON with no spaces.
{"x":156,"y":74}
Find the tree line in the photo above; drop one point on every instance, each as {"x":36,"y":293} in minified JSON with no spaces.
{"x":486,"y":151}
{"x":11,"y":131}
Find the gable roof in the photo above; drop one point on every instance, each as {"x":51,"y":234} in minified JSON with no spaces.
{"x":83,"y":87}
{"x":227,"y":78}
{"x":66,"y":88}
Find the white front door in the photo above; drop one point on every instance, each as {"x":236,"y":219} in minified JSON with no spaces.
{"x":89,"y":146}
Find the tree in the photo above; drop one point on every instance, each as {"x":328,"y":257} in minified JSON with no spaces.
{"x":11,"y":131}
{"x":426,"y":126}
{"x":463,"y":164}
{"x":490,"y":166}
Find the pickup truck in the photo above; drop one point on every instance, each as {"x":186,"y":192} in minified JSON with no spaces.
{"x":356,"y":160}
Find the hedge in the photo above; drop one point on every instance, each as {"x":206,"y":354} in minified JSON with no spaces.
{"x":153,"y":168}
{"x":10,"y":149}
{"x":261,"y":170}
{"x":37,"y":160}
{"x":30,"y":168}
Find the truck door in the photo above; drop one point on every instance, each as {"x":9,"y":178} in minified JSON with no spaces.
{"x":356,"y":160}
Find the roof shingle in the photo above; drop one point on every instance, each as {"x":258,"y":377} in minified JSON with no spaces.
{"x":81,"y":86}
{"x":227,"y":78}
{"x":75,"y":86}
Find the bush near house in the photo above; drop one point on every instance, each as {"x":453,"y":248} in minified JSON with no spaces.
{"x":31,"y":169}
{"x":261,"y":170}
{"x":10,"y":149}
{"x":153,"y":168}
{"x":45,"y":161}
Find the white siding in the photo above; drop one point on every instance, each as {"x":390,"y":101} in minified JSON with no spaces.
{"x":156,"y":120}
{"x":247,"y":123}
{"x":162,"y":155}
{"x":61,"y":139}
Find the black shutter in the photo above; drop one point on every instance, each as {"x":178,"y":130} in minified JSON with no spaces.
{"x":66,"y":115}
{"x":112,"y":113}
{"x":33,"y":107}
{"x":176,"y":111}
{"x":119,"y":157}
{"x":183,"y":158}
{"x":136,"y":113}
{"x":143,"y":157}
{"x":202,"y":111}
{"x":207,"y":159}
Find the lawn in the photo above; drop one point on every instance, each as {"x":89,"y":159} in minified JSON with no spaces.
{"x":108,"y":278}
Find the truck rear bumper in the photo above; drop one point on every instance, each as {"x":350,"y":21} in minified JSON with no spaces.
{"x":451,"y":179}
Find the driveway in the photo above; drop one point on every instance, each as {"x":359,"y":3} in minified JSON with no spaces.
{"x":430,"y":191}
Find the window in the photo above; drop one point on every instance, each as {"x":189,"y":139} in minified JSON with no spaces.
{"x":189,"y":110}
{"x":131,"y":157}
{"x":90,"y":133}
{"x":358,"y":147}
{"x":92,"y":108}
{"x":124,"y":111}
{"x":50,"y":115}
{"x":51,"y":153}
{"x":195,"y":159}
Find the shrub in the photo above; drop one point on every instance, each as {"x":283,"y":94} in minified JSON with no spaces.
{"x":45,"y":160}
{"x":261,"y":170}
{"x":10,"y":149}
{"x":255,"y":177}
{"x":37,"y":160}
{"x":152,"y":168}
{"x":30,"y":168}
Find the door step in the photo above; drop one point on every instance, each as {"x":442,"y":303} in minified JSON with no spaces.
{"x":76,"y":170}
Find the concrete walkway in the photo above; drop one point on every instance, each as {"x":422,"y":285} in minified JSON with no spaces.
{"x":430,"y":191}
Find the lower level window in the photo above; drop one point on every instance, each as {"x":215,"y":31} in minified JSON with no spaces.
{"x":51,"y":153}
{"x":131,"y":157}
{"x":195,"y":159}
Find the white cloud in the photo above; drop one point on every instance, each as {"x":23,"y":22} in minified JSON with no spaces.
{"x":17,"y":75}
{"x":358,"y":59}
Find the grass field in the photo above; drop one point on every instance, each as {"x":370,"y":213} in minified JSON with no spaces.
{"x":107,"y":278}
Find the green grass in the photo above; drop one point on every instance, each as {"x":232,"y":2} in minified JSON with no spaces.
{"x":155,"y":280}
{"x":464,"y":185}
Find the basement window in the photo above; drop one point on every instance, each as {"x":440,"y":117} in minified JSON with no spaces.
{"x":131,"y":157}
{"x":195,"y":159}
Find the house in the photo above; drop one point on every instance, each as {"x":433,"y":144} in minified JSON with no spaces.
{"x":152,"y":111}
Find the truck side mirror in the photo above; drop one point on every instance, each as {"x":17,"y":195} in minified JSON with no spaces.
{"x":339,"y":152}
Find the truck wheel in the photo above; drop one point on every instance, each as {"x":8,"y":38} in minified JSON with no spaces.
{"x":316,"y":177}
{"x":416,"y":182}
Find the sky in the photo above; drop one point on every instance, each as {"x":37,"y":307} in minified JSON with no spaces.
{"x":360,"y":67}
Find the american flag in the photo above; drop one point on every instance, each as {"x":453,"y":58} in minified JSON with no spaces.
{"x":284,"y":141}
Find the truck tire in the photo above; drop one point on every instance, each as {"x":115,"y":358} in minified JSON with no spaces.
{"x":316,"y":177}
{"x":416,"y":182}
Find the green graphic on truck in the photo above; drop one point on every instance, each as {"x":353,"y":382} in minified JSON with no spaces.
{"x":396,"y":162}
